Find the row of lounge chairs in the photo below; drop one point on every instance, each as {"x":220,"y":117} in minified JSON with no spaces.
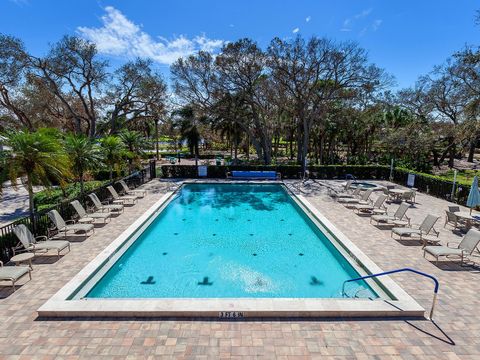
{"x":402,"y":227}
{"x":84,"y":223}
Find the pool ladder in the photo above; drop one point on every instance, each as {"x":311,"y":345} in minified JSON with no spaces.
{"x":435,"y":291}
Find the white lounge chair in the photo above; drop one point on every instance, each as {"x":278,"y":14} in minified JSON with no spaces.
{"x":121,"y":199}
{"x":399,"y":214}
{"x":376,"y":208}
{"x":89,"y":217}
{"x":134,"y":192}
{"x":104,"y":206}
{"x":347,"y":194}
{"x":37,"y":244}
{"x":423,"y":229}
{"x":461,"y":250}
{"x":13,"y":273}
{"x":362,"y":200}
{"x":70,"y":225}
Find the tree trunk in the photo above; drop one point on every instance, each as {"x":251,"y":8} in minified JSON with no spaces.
{"x":156,"y":140}
{"x":306,"y":132}
{"x":471,"y":150}
{"x":196,"y":153}
{"x":31,"y":204}
{"x":320,"y":147}
{"x":82,"y":189}
{"x":453,"y":150}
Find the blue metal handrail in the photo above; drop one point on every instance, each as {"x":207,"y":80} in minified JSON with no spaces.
{"x":435,"y":291}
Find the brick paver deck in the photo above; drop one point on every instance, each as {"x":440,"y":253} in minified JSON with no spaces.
{"x":455,"y":333}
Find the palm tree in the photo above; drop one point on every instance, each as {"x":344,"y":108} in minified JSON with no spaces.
{"x":113,"y":150}
{"x":38,"y":157}
{"x":188,"y":126}
{"x":134,"y":143}
{"x":84,"y":155}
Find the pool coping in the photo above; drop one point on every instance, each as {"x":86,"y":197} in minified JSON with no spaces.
{"x":61,"y":304}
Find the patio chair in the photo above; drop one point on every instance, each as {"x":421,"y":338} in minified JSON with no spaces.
{"x":36,"y":244}
{"x":423,"y":229}
{"x":376,"y":208}
{"x":399,"y":214}
{"x":121,"y":199}
{"x":133,"y":192}
{"x":347,"y":194}
{"x":362,"y":200}
{"x":13,"y":273}
{"x":89,"y":217}
{"x":104,"y":206}
{"x":409,"y":196}
{"x":64,"y":226}
{"x":454,"y":209}
{"x":461,"y":250}
{"x":452,"y":219}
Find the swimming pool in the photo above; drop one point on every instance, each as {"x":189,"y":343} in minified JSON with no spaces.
{"x":230,"y":240}
{"x":230,"y":250}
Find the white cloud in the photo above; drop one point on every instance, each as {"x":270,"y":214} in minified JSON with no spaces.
{"x":119,"y":36}
{"x":296,"y":30}
{"x":349,"y":22}
{"x":376,"y":24}
{"x":362,"y":14}
{"x":308,"y":18}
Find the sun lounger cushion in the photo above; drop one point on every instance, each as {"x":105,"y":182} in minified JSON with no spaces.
{"x":442,"y":251}
{"x":12,"y":272}
{"x":383,"y":218}
{"x":54,"y":244}
{"x":79,"y":227}
{"x":402,"y":231}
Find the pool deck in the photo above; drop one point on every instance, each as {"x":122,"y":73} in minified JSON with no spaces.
{"x":454,"y":335}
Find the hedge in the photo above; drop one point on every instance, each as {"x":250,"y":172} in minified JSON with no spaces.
{"x":427,"y":183}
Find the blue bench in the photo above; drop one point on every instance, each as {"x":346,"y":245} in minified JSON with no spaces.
{"x":254,"y":175}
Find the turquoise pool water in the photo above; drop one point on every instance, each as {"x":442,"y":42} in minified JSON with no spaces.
{"x":230,"y":240}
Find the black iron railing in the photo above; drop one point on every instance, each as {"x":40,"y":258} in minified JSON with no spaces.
{"x":39,"y":222}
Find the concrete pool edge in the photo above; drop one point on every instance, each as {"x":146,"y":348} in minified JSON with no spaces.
{"x":62,"y":305}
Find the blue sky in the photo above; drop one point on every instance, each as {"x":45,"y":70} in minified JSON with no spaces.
{"x":406,"y":37}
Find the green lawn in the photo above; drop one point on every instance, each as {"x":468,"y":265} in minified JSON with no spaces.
{"x":463,"y":177}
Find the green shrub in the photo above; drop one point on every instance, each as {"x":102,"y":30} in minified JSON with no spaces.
{"x":50,"y":197}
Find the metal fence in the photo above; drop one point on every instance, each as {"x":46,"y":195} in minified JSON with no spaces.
{"x":39,"y":222}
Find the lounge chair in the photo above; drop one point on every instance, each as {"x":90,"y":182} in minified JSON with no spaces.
{"x":89,"y":217}
{"x":104,"y":206}
{"x":13,"y":273}
{"x":376,"y":208}
{"x":362,"y":200}
{"x":121,"y":199}
{"x":399,"y":214}
{"x":423,"y":229}
{"x":61,"y":225}
{"x":347,"y":185}
{"x":134,"y":192}
{"x":37,"y":244}
{"x":347,"y":194}
{"x":452,"y":219}
{"x":464,"y":248}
